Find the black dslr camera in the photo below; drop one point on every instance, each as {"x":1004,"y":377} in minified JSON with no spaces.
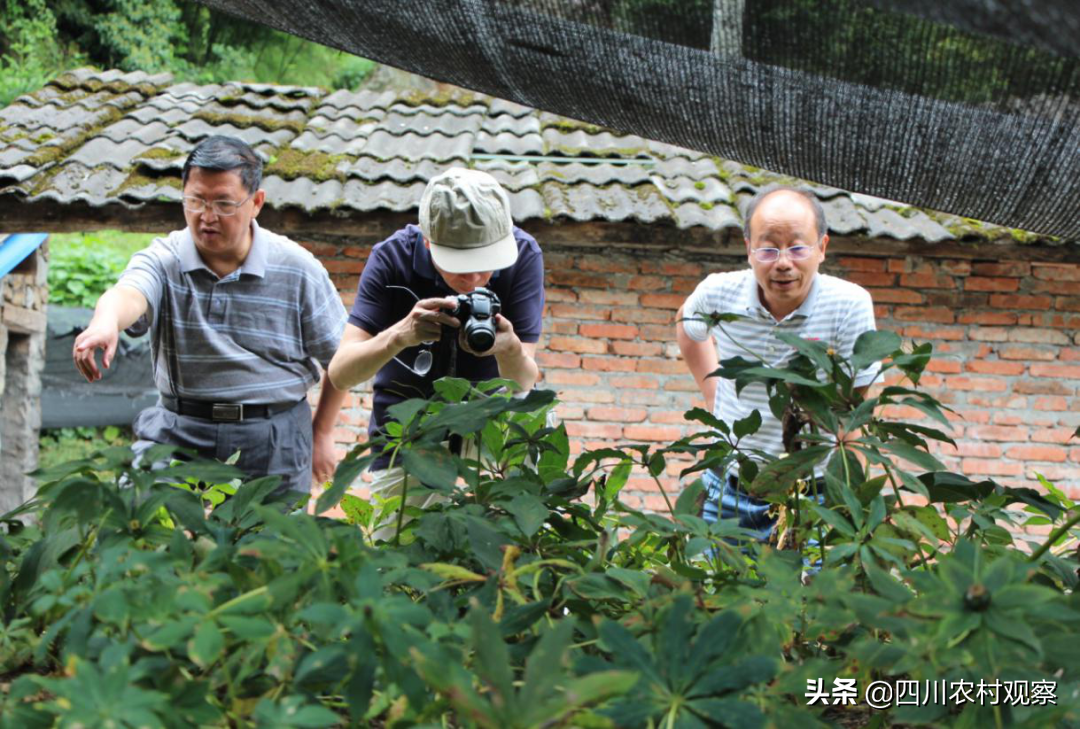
{"x":476,"y":312}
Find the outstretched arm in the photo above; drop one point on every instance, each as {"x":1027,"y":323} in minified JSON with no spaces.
{"x":117,"y":309}
{"x":361,"y":354}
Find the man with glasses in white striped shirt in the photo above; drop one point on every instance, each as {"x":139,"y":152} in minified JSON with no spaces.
{"x":781,"y":292}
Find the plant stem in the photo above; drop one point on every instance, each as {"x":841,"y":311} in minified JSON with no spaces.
{"x":1054,"y":536}
{"x":238,"y":600}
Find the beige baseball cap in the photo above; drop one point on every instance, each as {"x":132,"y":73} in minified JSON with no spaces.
{"x":465,"y":215}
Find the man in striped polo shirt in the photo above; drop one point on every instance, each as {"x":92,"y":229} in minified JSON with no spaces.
{"x":241,"y":320}
{"x":781,"y":292}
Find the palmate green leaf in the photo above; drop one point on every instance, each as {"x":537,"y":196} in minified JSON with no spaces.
{"x":735,"y":714}
{"x":687,"y":503}
{"x":357,"y":510}
{"x":946,"y":487}
{"x":247,"y":628}
{"x":598,"y":586}
{"x":1034,"y":499}
{"x":835,"y":520}
{"x":207,"y":644}
{"x":735,"y":677}
{"x":404,"y":411}
{"x":932,"y":519}
{"x":705,"y":417}
{"x":911,"y":432}
{"x":779,"y":476}
{"x":748,"y":425}
{"x":627,"y":652}
{"x":346,"y":473}
{"x":598,"y":687}
{"x":712,"y":641}
{"x":292,"y":711}
{"x":617,"y":479}
{"x":673,"y":641}
{"x":492,"y":660}
{"x":928,"y":407}
{"x":486,"y":542}
{"x":873,"y":346}
{"x":544,"y":671}
{"x":554,"y":460}
{"x":201,"y":470}
{"x":186,"y":508}
{"x":914,"y":455}
{"x":434,"y":467}
{"x":772,"y":373}
{"x":534,"y":400}
{"x":325,"y":665}
{"x":590,"y":457}
{"x":1012,"y":626}
{"x":529,"y":513}
{"x":170,"y":634}
{"x":466,"y":418}
{"x":454,"y":572}
{"x":814,"y":350}
{"x":886,"y":585}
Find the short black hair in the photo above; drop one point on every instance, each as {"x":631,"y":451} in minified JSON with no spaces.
{"x":226,"y":154}
{"x":811,"y":198}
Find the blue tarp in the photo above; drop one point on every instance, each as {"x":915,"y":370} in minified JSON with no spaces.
{"x":15,"y":248}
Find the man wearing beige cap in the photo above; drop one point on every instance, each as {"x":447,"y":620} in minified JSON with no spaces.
{"x":401,"y":330}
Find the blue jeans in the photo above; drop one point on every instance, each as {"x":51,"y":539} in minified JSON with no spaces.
{"x":725,"y":500}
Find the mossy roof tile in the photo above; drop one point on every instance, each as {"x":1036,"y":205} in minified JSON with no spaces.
{"x":110,"y":138}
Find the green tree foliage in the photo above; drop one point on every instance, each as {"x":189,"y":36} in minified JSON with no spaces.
{"x":194,"y":43}
{"x":29,"y":50}
{"x":862,"y":44}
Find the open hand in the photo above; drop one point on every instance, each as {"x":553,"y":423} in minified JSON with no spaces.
{"x":94,"y":337}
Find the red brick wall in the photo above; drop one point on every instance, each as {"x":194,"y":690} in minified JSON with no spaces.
{"x":1005,"y":336}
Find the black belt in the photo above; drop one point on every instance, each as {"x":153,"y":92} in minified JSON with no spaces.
{"x":228,"y":412}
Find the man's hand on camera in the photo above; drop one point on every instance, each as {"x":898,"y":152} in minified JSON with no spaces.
{"x":505,"y":339}
{"x":424,"y":323}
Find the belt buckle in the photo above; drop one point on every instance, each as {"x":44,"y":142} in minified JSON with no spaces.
{"x":227,"y":411}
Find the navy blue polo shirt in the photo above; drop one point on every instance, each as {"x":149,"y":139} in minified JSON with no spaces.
{"x":404,"y":260}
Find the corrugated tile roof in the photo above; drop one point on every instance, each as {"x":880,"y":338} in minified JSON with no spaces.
{"x":109,"y":138}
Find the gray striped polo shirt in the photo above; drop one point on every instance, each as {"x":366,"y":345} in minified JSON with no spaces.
{"x":253,"y":336}
{"x":835,"y":312}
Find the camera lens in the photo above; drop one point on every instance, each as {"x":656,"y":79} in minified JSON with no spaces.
{"x":480,"y":335}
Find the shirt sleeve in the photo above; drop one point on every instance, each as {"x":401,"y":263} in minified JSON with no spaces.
{"x":145,"y":273}
{"x":372,"y":309}
{"x":695,"y":307}
{"x":859,"y":319}
{"x":324,"y":318}
{"x":525,"y":309}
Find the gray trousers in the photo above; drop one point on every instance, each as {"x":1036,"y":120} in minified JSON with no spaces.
{"x":279,"y":445}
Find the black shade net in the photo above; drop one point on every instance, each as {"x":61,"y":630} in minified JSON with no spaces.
{"x":966,"y":106}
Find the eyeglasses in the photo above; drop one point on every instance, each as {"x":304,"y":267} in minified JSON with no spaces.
{"x":424,"y":358}
{"x":795,"y":253}
{"x":221,"y":208}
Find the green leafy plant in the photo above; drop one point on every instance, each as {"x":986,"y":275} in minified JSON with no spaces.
{"x":78,"y":275}
{"x":530,"y":595}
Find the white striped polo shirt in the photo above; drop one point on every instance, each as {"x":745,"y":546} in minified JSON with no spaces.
{"x":835,"y":312}
{"x":253,"y":336}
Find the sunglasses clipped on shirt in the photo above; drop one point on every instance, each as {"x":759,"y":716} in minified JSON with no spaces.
{"x":221,"y":208}
{"x":795,"y":253}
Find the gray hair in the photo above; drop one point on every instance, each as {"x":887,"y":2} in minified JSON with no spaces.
{"x":811,"y":199}
{"x":226,"y":154}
